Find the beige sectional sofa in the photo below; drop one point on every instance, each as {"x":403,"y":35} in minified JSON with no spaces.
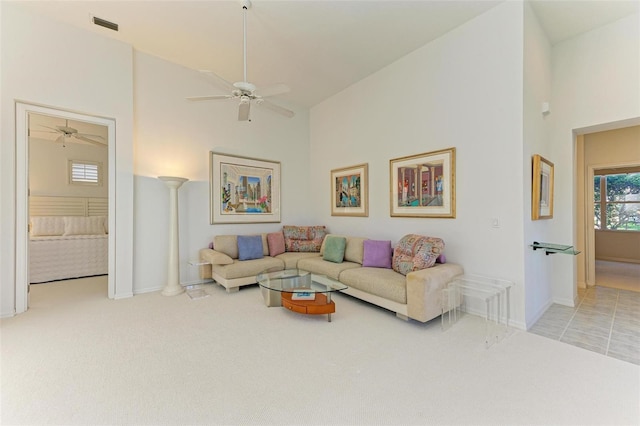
{"x":416,"y":294}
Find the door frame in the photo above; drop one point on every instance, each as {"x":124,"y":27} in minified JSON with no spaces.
{"x":23,"y":110}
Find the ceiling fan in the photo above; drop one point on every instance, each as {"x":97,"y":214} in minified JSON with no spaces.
{"x":67,"y":133}
{"x":244,"y":91}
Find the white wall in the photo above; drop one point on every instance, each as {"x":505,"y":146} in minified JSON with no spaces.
{"x":462,"y":90}
{"x":49,"y":168}
{"x":537,"y":89}
{"x":174,"y":137}
{"x":594,"y":82}
{"x":98,"y":84}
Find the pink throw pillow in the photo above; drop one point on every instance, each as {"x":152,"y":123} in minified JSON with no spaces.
{"x":275,"y":241}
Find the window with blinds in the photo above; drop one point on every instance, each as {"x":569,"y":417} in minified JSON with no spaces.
{"x":85,"y":172}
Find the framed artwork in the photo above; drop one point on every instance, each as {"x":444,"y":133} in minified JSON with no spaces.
{"x":542,"y":189}
{"x":243,"y":190}
{"x":350,"y":191}
{"x":424,"y":185}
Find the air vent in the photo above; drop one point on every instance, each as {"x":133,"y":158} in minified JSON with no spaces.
{"x":104,"y":23}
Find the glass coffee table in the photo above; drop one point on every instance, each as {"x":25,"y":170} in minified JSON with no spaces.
{"x":299,"y":291}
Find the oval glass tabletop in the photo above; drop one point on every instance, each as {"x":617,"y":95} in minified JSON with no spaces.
{"x":298,"y":281}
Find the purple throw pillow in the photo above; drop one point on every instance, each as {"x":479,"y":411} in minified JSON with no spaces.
{"x":377,"y":254}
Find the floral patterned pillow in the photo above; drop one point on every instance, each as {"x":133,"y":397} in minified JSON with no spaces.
{"x":414,"y":252}
{"x":303,"y":238}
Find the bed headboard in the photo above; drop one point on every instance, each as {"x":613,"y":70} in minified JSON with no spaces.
{"x":68,"y":206}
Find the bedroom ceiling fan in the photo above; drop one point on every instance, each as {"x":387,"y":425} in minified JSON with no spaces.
{"x":67,"y":133}
{"x":243,"y":91}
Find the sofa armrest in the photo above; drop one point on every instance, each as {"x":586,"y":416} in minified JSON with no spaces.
{"x":424,"y":290}
{"x":213,"y":257}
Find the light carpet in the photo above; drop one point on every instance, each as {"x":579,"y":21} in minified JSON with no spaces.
{"x":78,"y":358}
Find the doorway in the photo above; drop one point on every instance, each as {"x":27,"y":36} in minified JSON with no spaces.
{"x":611,"y":244}
{"x":24,"y":114}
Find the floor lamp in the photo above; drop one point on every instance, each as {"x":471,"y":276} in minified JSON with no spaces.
{"x":173,"y":286}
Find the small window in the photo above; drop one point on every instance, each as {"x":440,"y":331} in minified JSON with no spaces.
{"x":85,"y":172}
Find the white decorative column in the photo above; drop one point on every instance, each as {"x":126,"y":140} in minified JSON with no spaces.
{"x":173,"y":286}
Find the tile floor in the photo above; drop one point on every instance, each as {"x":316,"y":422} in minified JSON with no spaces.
{"x":605,"y":320}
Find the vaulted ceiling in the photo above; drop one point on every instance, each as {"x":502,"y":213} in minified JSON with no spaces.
{"x":317,"y":48}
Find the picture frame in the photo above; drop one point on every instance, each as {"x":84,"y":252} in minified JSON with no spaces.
{"x":243,"y":189}
{"x":541,"y":188}
{"x":424,"y":185}
{"x":350,"y":191}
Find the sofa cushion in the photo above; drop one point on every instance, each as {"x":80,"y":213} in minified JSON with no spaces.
{"x":334,"y":248}
{"x":214,"y":257}
{"x":250,"y":247}
{"x":227,"y":244}
{"x":247,"y":268}
{"x":45,"y":226}
{"x":414,"y":252}
{"x":291,"y":258}
{"x":303,"y":238}
{"x":275,"y":241}
{"x":377,"y":254}
{"x":384,"y":283}
{"x":84,"y":225}
{"x":317,"y":265}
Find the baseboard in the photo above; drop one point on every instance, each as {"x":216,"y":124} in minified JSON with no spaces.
{"x":539,"y":314}
{"x":8,"y":315}
{"x":146,"y":290}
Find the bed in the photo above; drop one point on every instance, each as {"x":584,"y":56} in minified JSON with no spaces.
{"x":68,"y":238}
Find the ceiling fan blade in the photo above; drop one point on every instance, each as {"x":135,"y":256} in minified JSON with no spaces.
{"x":209,"y":98}
{"x":275,"y":108}
{"x":243,"y":111}
{"x":218,"y":81}
{"x":276,"y":89}
{"x":55,"y":129}
{"x":60,"y":139}
{"x":91,"y":141}
{"x":87,"y":135}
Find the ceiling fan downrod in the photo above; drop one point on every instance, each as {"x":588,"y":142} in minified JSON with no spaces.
{"x":246,"y":4}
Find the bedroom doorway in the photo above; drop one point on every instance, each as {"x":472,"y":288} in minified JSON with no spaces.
{"x":68,"y":144}
{"x":68,"y":195}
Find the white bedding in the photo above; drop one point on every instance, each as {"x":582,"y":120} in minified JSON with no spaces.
{"x":60,"y":257}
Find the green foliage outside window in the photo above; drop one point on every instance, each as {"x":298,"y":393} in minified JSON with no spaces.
{"x":621,"y":203}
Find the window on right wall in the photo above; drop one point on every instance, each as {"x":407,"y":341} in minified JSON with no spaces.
{"x":617,"y":201}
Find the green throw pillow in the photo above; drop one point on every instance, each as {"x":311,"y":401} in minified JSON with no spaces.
{"x":334,"y":249}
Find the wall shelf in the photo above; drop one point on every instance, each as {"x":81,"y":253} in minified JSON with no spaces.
{"x":550,"y":248}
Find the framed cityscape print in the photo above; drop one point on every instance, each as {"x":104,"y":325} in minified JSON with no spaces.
{"x":542,"y":188}
{"x":350,"y":191}
{"x":243,"y":189}
{"x":424,"y":185}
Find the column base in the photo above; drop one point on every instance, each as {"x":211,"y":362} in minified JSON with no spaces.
{"x":172,"y":290}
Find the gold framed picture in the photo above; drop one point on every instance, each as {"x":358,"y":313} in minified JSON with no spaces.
{"x":350,"y":191}
{"x":541,"y":188}
{"x":424,"y":185}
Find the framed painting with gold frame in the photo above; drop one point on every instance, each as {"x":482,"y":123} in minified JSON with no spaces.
{"x":541,"y":188}
{"x":350,"y":191}
{"x":424,"y":185}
